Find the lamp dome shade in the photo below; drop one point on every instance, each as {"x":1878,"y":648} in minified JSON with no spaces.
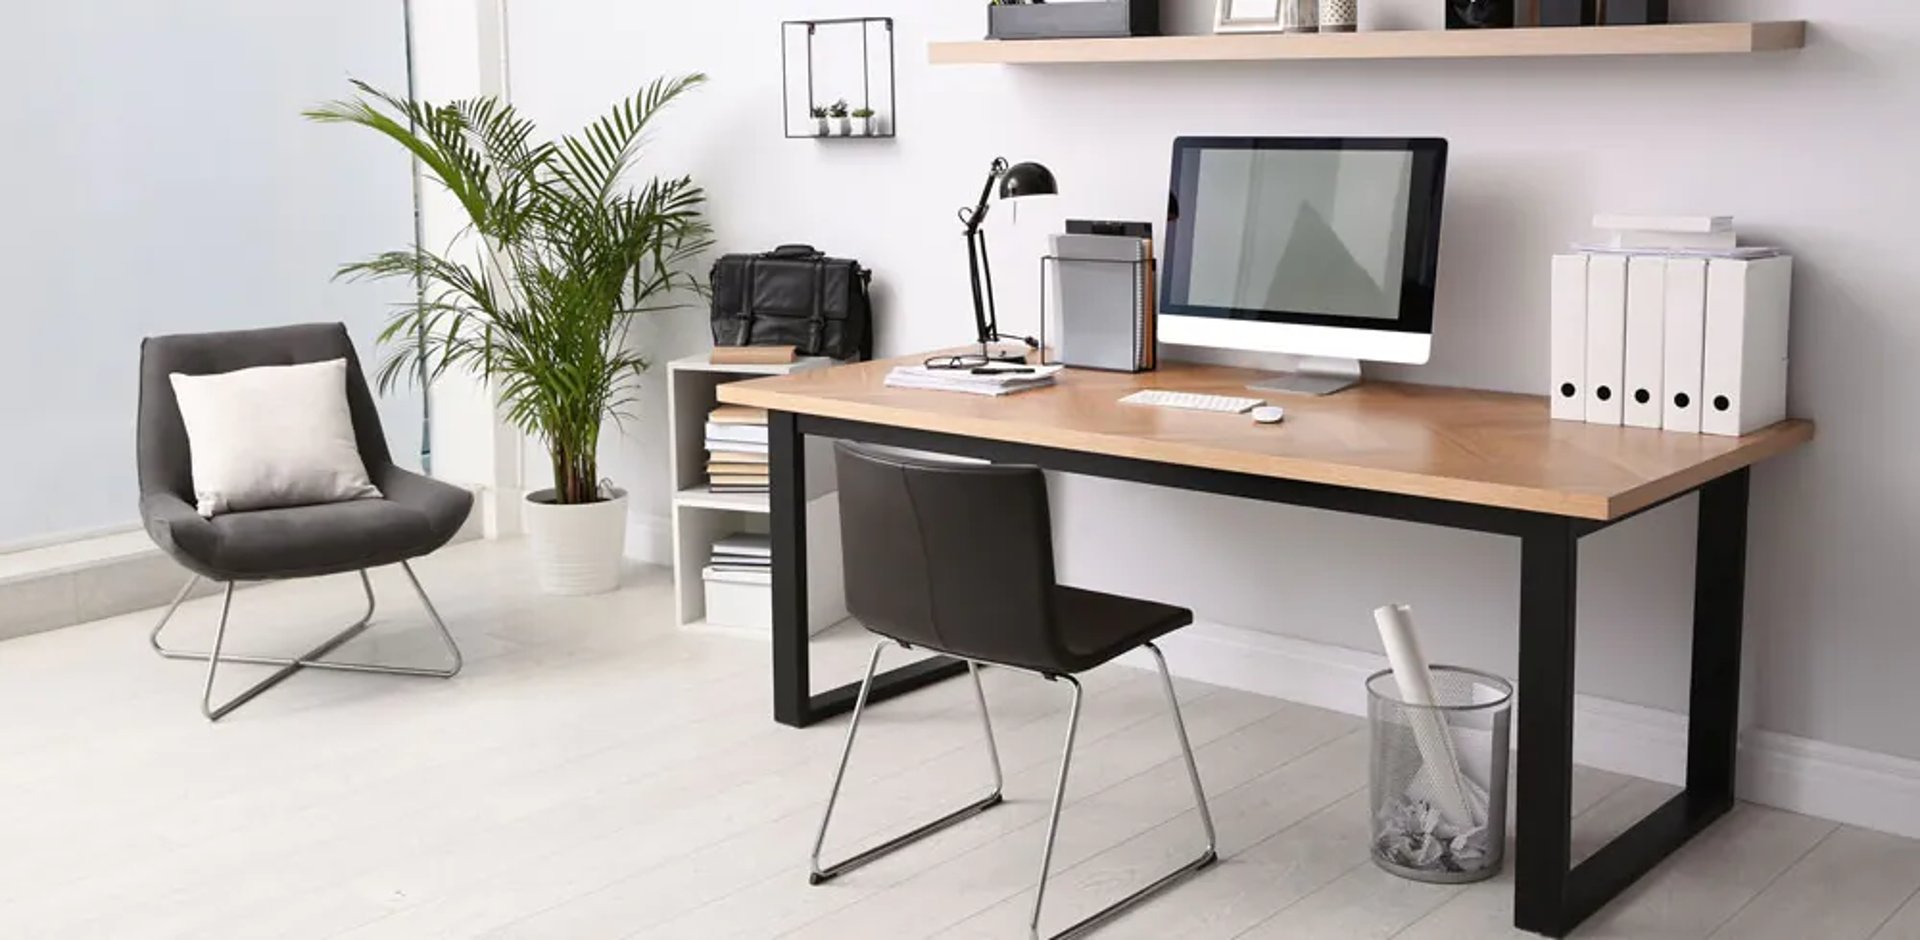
{"x":1027,"y":179}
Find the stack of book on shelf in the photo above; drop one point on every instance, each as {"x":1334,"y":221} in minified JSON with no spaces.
{"x":738,"y":580}
{"x":737,"y":450}
{"x":741,"y":559}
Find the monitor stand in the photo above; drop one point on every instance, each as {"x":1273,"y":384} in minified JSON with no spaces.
{"x":1314,"y":375}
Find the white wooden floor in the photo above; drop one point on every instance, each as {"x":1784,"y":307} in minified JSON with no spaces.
{"x":596,"y":773}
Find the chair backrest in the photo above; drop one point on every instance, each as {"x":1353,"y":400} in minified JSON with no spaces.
{"x":953,"y":557}
{"x":165,"y":463}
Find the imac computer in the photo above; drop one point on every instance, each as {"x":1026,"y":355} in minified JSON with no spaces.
{"x":1326,"y":248}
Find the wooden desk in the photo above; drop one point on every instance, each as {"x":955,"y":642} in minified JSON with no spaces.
{"x":1470,"y":460}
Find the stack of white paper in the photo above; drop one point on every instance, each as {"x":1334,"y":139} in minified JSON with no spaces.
{"x":992,"y":381}
{"x":1677,"y":236}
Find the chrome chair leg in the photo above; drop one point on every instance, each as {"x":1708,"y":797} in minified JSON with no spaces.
{"x":1186,"y":751}
{"x":1059,"y":800}
{"x":312,"y":659}
{"x":819,"y":873}
{"x":1206,"y":858}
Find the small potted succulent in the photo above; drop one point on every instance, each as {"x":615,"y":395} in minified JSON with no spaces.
{"x":838,"y":113}
{"x":863,"y":123}
{"x":819,"y":115}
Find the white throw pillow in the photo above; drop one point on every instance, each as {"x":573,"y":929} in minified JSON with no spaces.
{"x":271,"y":436}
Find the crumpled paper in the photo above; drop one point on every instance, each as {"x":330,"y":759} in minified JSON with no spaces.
{"x":1414,"y":835}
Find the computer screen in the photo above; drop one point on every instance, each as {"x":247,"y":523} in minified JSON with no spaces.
{"x":1311,"y":231}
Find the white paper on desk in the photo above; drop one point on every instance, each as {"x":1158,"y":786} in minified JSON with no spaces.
{"x":1001,"y":382}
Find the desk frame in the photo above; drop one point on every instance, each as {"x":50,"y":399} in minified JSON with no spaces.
{"x":1551,"y":896}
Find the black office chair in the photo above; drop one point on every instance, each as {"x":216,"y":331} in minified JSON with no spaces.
{"x":417,"y":515}
{"x":958,"y":559}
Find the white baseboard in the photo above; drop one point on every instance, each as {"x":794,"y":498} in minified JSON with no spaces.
{"x":82,"y":580}
{"x":1849,"y":785}
{"x":650,"y":540}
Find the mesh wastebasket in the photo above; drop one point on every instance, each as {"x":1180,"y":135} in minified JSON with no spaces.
{"x":1439,"y":776}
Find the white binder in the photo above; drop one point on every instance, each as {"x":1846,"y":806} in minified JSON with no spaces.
{"x":1568,"y":332}
{"x":1744,"y":371}
{"x":1646,"y":341}
{"x":1606,"y":337}
{"x":1686,"y":329}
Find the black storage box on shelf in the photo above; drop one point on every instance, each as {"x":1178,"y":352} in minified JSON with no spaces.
{"x":794,"y":296}
{"x":1567,"y":12}
{"x":1090,"y":20}
{"x":1633,"y":12}
{"x":1480,"y":14}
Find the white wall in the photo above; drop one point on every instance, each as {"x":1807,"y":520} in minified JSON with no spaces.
{"x":160,"y":179}
{"x":1813,"y":150}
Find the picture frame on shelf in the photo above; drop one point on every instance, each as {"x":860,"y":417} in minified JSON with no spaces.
{"x":1266,"y":16}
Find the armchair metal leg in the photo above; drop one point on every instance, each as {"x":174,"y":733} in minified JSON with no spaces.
{"x":820,"y":873}
{"x":1205,"y":859}
{"x":308,"y":660}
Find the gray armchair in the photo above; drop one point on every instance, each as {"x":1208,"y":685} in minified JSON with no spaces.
{"x":416,"y":516}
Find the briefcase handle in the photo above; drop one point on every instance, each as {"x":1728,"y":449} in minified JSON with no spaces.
{"x":795,"y":251}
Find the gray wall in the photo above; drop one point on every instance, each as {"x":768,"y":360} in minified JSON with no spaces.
{"x":1813,"y":150}
{"x":161,"y":180}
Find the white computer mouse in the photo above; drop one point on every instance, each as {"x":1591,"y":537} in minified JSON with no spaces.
{"x":1269,"y":414}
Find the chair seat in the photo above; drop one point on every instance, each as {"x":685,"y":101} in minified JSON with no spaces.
{"x":417,"y":516}
{"x":301,"y":541}
{"x":1096,"y":627}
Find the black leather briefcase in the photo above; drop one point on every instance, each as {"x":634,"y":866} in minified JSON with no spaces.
{"x":795,"y":296}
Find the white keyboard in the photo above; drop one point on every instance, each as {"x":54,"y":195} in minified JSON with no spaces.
{"x":1191,"y":401}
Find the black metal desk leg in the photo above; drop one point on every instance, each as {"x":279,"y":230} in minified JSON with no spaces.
{"x":1719,"y":611}
{"x":794,"y":701}
{"x":1549,"y":570}
{"x":787,"y":466}
{"x":1548,"y":898}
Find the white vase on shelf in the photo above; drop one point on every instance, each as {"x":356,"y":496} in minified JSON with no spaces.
{"x":1299,"y":16}
{"x":1339,"y":16}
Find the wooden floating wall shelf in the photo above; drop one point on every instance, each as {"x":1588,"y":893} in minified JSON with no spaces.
{"x":1674,"y":39}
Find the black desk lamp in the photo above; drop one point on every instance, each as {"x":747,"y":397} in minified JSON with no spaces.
{"x":1016,"y":181}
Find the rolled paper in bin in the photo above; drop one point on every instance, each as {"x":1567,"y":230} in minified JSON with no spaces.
{"x":1441,"y":782}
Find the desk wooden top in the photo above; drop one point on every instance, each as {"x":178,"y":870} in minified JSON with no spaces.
{"x":1485,"y":448}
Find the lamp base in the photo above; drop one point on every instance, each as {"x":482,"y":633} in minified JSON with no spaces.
{"x":1003,"y":352}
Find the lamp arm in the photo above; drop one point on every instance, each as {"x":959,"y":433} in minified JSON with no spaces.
{"x":978,"y":216}
{"x":981,"y":329}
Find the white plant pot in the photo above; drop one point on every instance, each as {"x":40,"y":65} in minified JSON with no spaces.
{"x":577,"y":549}
{"x":863,"y":127}
{"x":820,"y":128}
{"x":841,"y":126}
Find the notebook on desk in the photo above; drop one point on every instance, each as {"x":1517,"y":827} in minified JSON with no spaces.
{"x":1103,"y":301}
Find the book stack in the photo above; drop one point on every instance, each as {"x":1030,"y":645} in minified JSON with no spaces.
{"x":737,"y":450}
{"x":741,"y":559}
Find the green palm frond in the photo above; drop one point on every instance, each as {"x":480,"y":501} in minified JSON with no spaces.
{"x":565,"y":253}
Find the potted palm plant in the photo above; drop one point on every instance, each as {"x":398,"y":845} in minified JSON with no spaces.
{"x":819,"y":115}
{"x":537,"y":303}
{"x":838,"y":112}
